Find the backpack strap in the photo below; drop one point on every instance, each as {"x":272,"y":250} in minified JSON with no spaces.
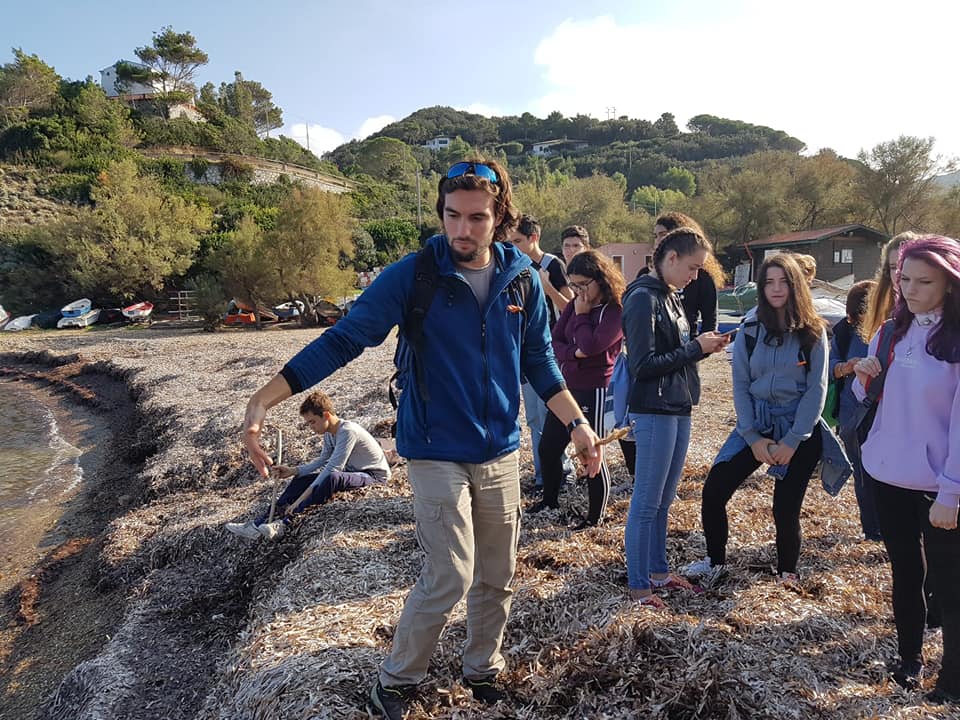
{"x":803,"y":355}
{"x":426,"y":280}
{"x":874,"y":386}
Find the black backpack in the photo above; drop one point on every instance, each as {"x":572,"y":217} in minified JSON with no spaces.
{"x":426,"y":281}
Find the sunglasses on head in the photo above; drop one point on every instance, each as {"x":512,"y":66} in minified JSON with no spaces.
{"x":469,"y":168}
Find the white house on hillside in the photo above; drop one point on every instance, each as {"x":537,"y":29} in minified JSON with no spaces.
{"x":139,"y":92}
{"x":438,"y":143}
{"x":110,"y":83}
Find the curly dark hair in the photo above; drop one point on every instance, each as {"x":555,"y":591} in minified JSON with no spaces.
{"x":317,"y":403}
{"x":597,"y":266}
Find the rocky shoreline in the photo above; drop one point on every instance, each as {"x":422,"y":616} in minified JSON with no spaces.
{"x":211,"y":626}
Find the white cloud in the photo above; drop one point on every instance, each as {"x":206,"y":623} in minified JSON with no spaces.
{"x":841,"y":74}
{"x":323,"y":139}
{"x":318,"y":139}
{"x":371,"y":125}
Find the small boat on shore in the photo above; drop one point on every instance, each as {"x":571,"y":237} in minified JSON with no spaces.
{"x":77,"y":308}
{"x":289,"y":310}
{"x":20,"y":323}
{"x":88,"y":318}
{"x":138,"y":312}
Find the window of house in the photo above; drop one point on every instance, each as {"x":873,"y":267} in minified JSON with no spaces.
{"x":618,"y":261}
{"x":846,"y":256}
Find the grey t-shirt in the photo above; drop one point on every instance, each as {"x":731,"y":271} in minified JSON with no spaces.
{"x":479,"y":280}
{"x":352,"y":449}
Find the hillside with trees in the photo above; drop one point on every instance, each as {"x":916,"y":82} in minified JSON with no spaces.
{"x":88,"y":208}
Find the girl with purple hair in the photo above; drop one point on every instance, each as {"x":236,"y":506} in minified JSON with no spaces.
{"x":912,"y":454}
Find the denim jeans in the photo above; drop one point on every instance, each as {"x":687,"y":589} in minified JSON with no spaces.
{"x":661,"y":442}
{"x":862,"y":486}
{"x":334,"y":482}
{"x":536,"y":411}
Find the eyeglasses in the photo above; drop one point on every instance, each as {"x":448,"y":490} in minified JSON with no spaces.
{"x":469,"y":168}
{"x":580,"y":287}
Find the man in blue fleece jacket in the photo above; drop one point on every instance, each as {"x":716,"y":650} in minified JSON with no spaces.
{"x":461,"y":436}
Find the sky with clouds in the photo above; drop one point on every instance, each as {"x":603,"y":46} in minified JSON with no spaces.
{"x":844,"y":74}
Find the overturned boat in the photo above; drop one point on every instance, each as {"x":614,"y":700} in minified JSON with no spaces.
{"x":138,"y":312}
{"x":77,"y":308}
{"x":88,"y":318}
{"x":20,"y":323}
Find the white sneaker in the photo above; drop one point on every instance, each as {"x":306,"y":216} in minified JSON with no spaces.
{"x":274,"y":530}
{"x":247,"y":529}
{"x":701,"y":568}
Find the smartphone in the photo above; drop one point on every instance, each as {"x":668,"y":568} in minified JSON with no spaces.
{"x":731,"y":333}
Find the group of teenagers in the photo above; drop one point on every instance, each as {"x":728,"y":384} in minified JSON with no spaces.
{"x":558,"y":345}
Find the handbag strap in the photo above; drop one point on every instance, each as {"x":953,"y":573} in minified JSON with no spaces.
{"x":874,"y":386}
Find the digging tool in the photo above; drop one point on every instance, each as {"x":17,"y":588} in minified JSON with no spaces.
{"x":276,"y":477}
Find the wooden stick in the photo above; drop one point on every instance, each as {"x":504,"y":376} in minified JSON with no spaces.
{"x":617,"y":434}
{"x":273,"y":501}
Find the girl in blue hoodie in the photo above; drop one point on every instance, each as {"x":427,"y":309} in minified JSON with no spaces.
{"x":779,"y":389}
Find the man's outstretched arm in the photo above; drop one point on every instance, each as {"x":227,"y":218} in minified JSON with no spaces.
{"x":275,"y":391}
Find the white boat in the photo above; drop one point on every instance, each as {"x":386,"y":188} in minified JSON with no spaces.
{"x":138,"y":312}
{"x":20,"y":323}
{"x":88,"y":318}
{"x":76,"y":308}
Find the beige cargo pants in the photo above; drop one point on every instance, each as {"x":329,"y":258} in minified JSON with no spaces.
{"x":468,"y":523}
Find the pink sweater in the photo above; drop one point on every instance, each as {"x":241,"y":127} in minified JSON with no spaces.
{"x":915,"y":439}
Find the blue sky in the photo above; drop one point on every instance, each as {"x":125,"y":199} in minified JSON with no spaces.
{"x":844,"y":74}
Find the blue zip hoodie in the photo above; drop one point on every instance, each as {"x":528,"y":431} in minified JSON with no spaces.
{"x":472,"y":356}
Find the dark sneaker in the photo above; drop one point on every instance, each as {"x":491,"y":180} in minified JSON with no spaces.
{"x":584,"y":524}
{"x":908,"y":675}
{"x":487,"y":690}
{"x":941,"y":697}
{"x":540,"y":507}
{"x":389,"y":702}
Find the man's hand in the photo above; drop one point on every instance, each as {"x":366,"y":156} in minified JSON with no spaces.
{"x":586,"y":443}
{"x":761,"y":451}
{"x":263,"y":399}
{"x":283,"y":471}
{"x":252,"y":427}
{"x":943,"y":516}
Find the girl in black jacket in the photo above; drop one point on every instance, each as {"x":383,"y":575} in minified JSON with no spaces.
{"x":665,"y":386}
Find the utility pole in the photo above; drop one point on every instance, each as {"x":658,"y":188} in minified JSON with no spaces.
{"x":419,"y":211}
{"x":307,"y":125}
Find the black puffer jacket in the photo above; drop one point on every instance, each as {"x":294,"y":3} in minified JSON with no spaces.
{"x":661,"y":356}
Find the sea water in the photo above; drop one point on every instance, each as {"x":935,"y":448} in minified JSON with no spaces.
{"x":37,"y":464}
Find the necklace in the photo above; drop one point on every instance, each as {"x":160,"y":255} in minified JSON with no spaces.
{"x":924,"y":320}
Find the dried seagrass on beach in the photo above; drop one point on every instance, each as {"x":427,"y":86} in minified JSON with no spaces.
{"x":218,"y":627}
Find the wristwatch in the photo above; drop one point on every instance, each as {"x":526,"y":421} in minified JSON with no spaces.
{"x":576,"y":421}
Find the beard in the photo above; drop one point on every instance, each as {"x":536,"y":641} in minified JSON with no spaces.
{"x":467,"y":256}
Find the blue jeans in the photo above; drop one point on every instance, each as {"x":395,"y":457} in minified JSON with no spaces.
{"x":862,"y":487}
{"x":334,"y":482}
{"x":536,"y":411}
{"x":662,"y":442}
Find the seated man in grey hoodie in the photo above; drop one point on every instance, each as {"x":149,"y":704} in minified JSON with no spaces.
{"x":351,"y":458}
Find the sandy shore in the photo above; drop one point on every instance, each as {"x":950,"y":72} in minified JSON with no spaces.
{"x":207,"y":625}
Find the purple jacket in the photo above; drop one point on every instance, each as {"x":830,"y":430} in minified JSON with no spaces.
{"x":914,"y":442}
{"x":598,"y":334}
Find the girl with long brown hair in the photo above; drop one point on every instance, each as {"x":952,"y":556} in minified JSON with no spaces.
{"x":779,"y":388}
